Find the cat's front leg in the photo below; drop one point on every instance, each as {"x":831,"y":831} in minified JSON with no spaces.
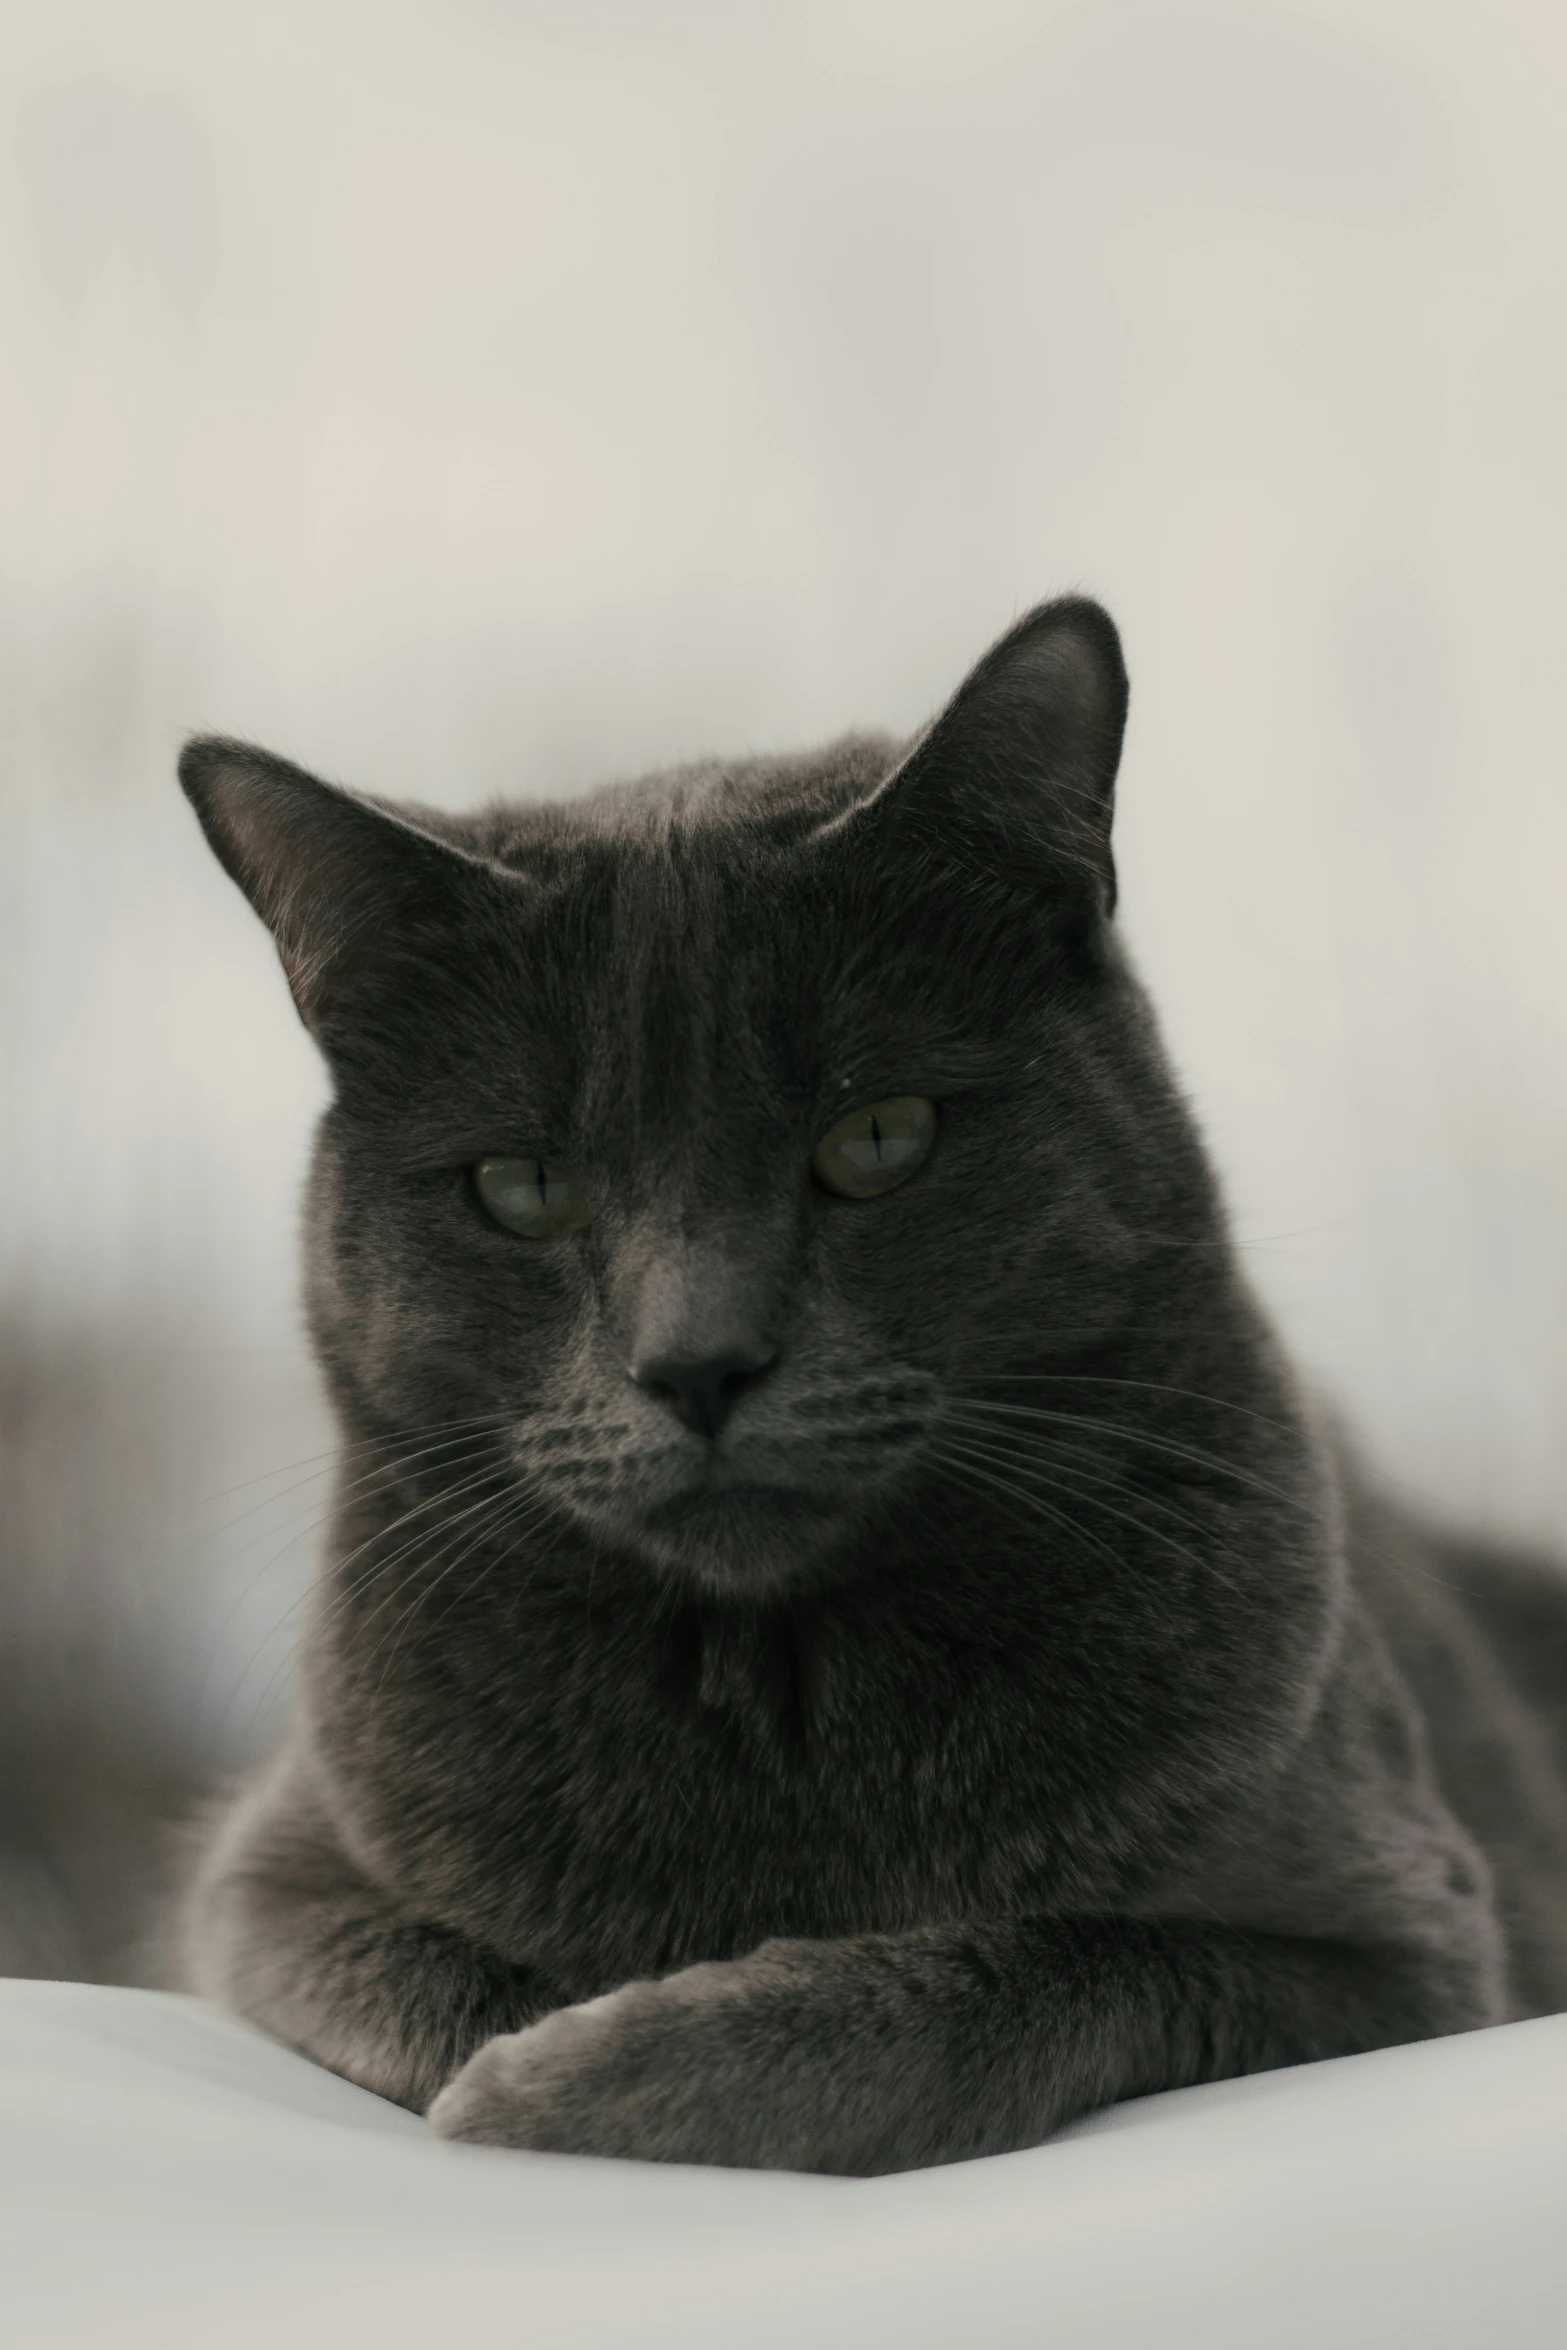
{"x":888,"y":2052}
{"x":282,"y":1927}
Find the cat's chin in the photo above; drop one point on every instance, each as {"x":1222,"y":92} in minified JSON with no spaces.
{"x":744,"y":1541}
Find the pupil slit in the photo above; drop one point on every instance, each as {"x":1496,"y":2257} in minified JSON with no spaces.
{"x":876,"y":1134}
{"x":543,"y":1185}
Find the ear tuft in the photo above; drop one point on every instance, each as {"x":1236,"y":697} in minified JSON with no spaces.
{"x":346,"y":888}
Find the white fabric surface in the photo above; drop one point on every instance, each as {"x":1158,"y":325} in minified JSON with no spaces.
{"x":169,"y":2177}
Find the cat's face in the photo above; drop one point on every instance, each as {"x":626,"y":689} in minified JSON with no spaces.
{"x":703,"y":1141}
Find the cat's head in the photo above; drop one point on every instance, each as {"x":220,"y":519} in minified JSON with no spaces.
{"x":703,"y":1137}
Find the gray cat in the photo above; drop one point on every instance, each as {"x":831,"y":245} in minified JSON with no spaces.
{"x":843,"y":1645}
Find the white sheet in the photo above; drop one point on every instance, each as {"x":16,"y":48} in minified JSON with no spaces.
{"x":168,"y":2177}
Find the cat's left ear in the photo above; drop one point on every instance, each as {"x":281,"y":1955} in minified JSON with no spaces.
{"x":1020,"y":766}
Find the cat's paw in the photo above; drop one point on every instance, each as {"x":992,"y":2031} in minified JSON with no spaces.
{"x":653,"y":2071}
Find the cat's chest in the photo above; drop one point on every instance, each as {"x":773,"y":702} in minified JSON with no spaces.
{"x":621,"y":1810}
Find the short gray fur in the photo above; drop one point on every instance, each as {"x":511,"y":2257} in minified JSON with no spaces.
{"x":1023,"y":1702}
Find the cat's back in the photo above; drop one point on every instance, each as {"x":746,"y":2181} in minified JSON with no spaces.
{"x":1480,"y":1633}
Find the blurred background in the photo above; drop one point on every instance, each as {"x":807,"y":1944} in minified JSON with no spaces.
{"x":501,"y":395}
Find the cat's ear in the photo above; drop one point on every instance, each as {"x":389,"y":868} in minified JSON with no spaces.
{"x":1020,"y":766}
{"x":350,"y":892}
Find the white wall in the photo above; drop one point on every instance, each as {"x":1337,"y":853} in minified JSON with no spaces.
{"x":463,"y":397}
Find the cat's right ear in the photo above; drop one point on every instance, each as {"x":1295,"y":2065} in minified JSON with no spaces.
{"x":351,"y":893}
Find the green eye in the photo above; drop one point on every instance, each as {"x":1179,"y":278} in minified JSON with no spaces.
{"x":532,"y":1197}
{"x":877,"y":1148}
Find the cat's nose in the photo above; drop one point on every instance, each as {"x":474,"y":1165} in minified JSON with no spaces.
{"x":702,"y":1394}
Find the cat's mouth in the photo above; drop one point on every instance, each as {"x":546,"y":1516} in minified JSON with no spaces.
{"x":740,"y":1537}
{"x":736,"y":1528}
{"x":717,"y":1498}
{"x":760,"y":1509}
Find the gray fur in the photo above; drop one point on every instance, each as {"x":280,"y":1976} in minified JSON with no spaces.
{"x":1021,"y":1704}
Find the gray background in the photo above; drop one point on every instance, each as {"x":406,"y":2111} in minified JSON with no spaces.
{"x":475,"y":398}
